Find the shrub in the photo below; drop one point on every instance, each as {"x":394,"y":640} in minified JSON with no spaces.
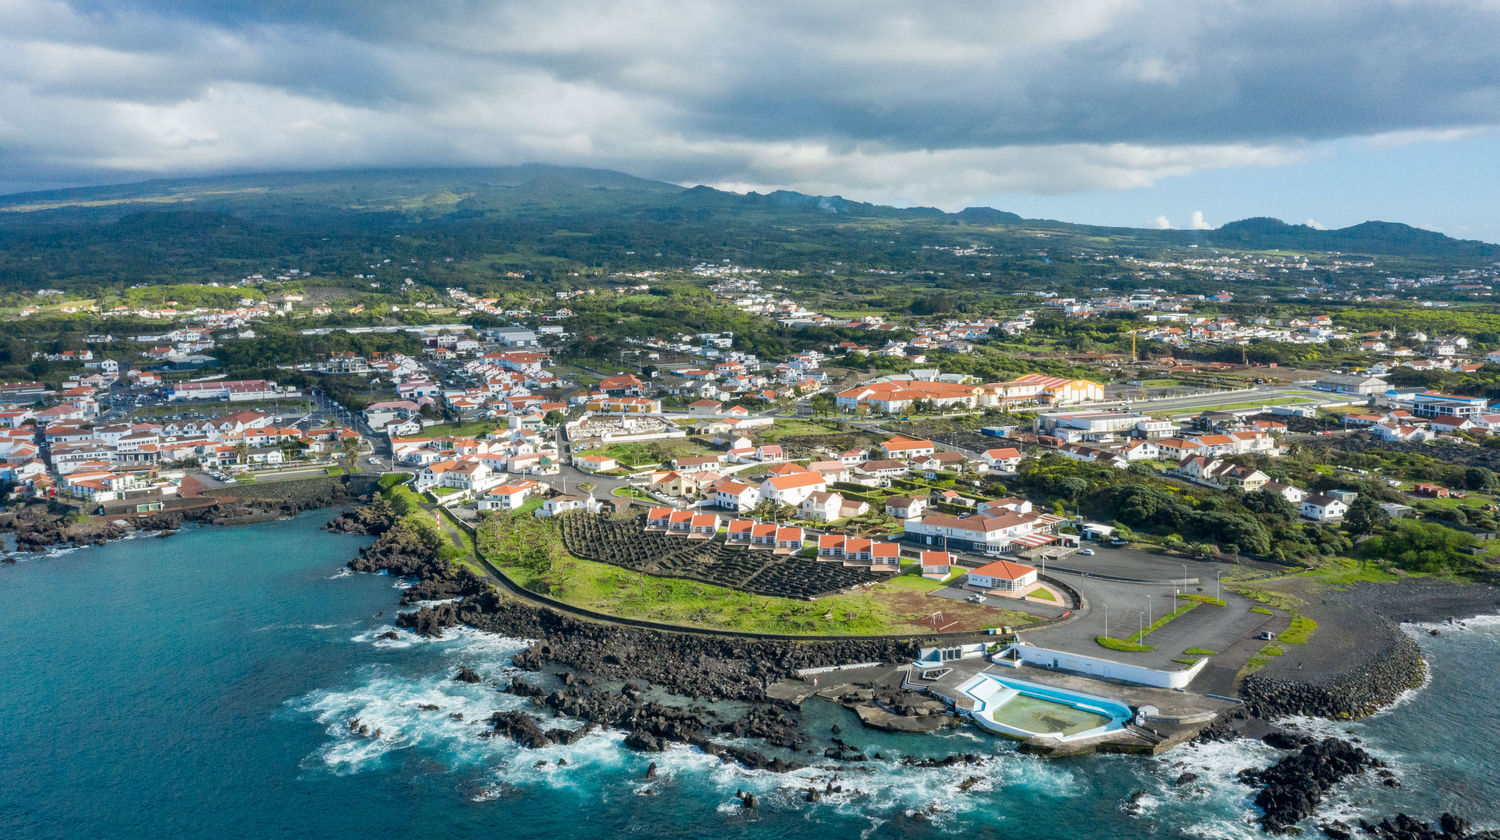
{"x":1300,"y":631}
{"x":1262,"y":610}
{"x":1122,"y":645}
{"x":1201,"y":599}
{"x":1197,"y":651}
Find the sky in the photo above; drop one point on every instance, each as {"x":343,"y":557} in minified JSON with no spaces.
{"x":1141,"y":113}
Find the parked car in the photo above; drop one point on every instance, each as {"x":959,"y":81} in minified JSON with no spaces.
{"x":978,"y":599}
{"x":1086,"y":552}
{"x":1267,"y":636}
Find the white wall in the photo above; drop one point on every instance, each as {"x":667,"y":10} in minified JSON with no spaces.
{"x":1108,"y":669}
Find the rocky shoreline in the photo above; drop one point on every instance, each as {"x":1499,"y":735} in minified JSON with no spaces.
{"x":652,"y":684}
{"x":39,"y":527}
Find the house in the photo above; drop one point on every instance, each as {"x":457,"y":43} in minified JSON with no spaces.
{"x":763,"y":535}
{"x":995,"y":507}
{"x":1140,"y":450}
{"x":822,"y":506}
{"x":1003,"y":459}
{"x":792,"y":489}
{"x":688,"y":466}
{"x":703,"y":526}
{"x":566,"y":504}
{"x":788,"y":539}
{"x":596,"y":463}
{"x":1246,"y":479}
{"x":626,"y":385}
{"x":674,"y":483}
{"x":884,"y":557}
{"x":882,"y":469}
{"x":506,"y":496}
{"x":831,"y":546}
{"x":736,"y":496}
{"x":938,"y":462}
{"x":907,"y":448}
{"x":905,"y":507}
{"x":657,"y":518}
{"x":1295,"y":495}
{"x":1445,"y":423}
{"x":832,"y":471}
{"x":738,"y":532}
{"x":1322,"y":508}
{"x":704,"y":408}
{"x":936,"y":565}
{"x":996,"y":533}
{"x":1002,"y":575}
{"x":1431,"y":491}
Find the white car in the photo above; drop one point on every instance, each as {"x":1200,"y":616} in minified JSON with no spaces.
{"x":1086,"y":552}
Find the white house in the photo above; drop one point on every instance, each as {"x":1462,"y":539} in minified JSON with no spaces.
{"x":1002,"y":459}
{"x":1003,"y":575}
{"x":507,"y":496}
{"x":793,"y":488}
{"x":564,"y":504}
{"x":734,"y":495}
{"x":1321,"y":508}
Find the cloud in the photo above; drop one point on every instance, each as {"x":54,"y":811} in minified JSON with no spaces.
{"x":939,"y":104}
{"x":1198,"y":223}
{"x":1161,"y":223}
{"x":1315,"y":224}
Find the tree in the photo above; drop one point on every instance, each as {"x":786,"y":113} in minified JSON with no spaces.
{"x":1073,"y":487}
{"x":1479,"y":478}
{"x":822,"y":404}
{"x":1365,"y":516}
{"x":554,"y":418}
{"x":349,"y":451}
{"x":241,"y":452}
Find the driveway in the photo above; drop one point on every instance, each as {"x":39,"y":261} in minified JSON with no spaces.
{"x":954,"y":593}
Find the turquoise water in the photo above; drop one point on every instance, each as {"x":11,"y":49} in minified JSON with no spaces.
{"x":202,"y":686}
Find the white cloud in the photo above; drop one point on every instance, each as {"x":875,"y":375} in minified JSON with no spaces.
{"x":1161,"y":223}
{"x":941,"y":106}
{"x":1315,"y":224}
{"x":1198,"y":223}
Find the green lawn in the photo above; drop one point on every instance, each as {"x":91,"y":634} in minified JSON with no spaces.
{"x":789,"y":427}
{"x":1234,"y":406}
{"x":460,"y":430}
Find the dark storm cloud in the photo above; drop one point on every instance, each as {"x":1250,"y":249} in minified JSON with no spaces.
{"x":911,"y":99}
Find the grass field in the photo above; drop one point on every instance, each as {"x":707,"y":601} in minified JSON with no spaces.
{"x":461,"y":430}
{"x":897,"y":605}
{"x":788,"y":427}
{"x":1236,"y":406}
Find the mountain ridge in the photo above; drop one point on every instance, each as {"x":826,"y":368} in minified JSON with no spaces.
{"x":534,"y":189}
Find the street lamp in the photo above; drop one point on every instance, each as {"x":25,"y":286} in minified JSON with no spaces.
{"x":1184,"y":577}
{"x":1106,"y":621}
{"x":1140,"y":626}
{"x":1149,"y":614}
{"x":1216,"y":584}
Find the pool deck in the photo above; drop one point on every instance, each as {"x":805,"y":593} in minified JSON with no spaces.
{"x":1180,"y":715}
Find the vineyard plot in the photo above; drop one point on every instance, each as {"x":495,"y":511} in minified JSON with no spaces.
{"x":626,"y":544}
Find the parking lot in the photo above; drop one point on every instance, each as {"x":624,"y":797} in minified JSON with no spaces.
{"x":1119,"y":604}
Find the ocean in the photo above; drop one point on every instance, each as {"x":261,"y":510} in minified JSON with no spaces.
{"x":204,"y":686}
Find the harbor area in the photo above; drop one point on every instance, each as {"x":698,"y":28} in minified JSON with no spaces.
{"x":1050,"y":711}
